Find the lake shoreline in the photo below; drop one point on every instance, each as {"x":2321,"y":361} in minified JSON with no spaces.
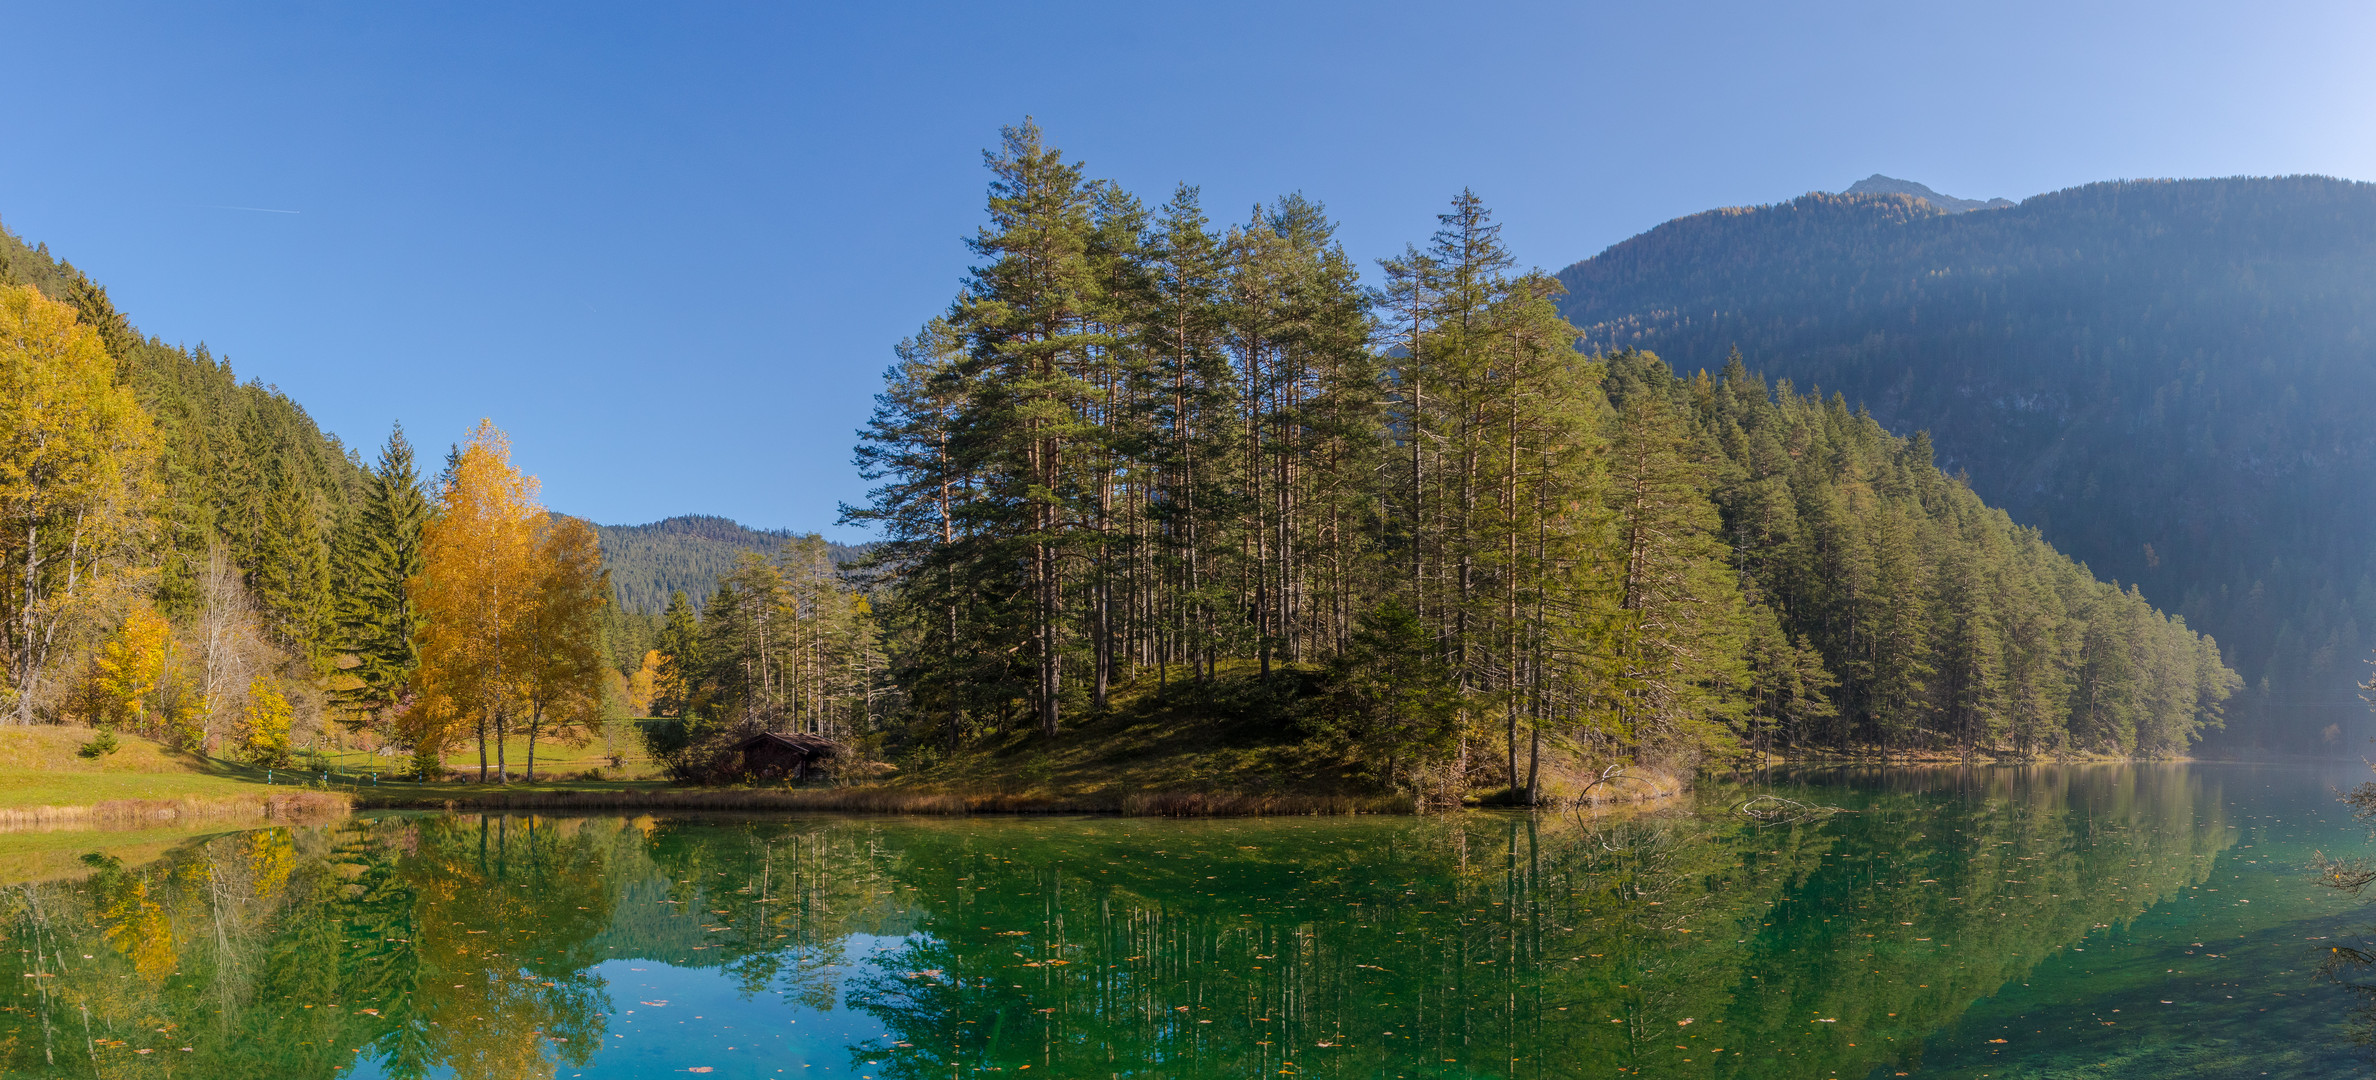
{"x":1942,"y":757}
{"x":879,"y":800}
{"x":1656,"y":788}
{"x":116,"y":814}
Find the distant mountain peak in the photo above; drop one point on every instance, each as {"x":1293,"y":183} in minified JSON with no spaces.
{"x":1878,"y":184}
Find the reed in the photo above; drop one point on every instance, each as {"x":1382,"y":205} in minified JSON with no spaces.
{"x":880,"y":800}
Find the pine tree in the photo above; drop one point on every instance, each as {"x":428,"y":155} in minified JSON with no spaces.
{"x":1188,"y":398}
{"x":1027,"y":319}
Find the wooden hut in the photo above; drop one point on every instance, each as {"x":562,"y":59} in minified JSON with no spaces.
{"x":774,"y":755}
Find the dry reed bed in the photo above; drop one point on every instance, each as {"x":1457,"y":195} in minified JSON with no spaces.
{"x":141,"y":813}
{"x":874,"y":800}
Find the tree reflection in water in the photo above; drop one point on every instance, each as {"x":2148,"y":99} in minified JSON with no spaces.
{"x":1450,"y":945}
{"x":2348,"y":965}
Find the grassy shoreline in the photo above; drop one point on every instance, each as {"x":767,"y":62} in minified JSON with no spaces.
{"x":1159,"y":762}
{"x":884,"y":800}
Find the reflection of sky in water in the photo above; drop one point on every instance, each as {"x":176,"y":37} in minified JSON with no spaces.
{"x":669,"y":1020}
{"x":2051,"y":923}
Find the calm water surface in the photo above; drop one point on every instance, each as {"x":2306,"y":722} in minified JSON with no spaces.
{"x":2131,"y":921}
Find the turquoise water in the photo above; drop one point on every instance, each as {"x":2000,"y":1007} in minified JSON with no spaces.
{"x":2086,"y":921}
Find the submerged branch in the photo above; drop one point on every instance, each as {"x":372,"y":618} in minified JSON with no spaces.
{"x":1776,"y":810}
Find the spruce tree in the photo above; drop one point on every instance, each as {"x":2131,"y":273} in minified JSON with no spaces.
{"x":375,"y":620}
{"x":682,"y":670}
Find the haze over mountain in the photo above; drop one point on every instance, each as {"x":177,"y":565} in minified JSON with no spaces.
{"x":2168,"y":378}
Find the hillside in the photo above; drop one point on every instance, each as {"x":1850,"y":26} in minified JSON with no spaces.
{"x":649,"y":562}
{"x":2167,"y":378}
{"x":238,"y":462}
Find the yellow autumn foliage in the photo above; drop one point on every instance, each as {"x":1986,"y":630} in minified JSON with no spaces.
{"x":476,"y":595}
{"x":132,"y":665}
{"x":75,"y":448}
{"x":264,"y":723}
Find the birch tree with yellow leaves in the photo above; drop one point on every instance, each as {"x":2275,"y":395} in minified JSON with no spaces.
{"x":75,"y":448}
{"x":477,"y":594}
{"x":562,"y":668}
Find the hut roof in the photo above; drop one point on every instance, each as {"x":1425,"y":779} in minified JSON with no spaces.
{"x":800,"y":741}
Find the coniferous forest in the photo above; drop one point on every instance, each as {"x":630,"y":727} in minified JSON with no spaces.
{"x":2165,"y":376}
{"x":1144,"y":456}
{"x":1417,"y":521}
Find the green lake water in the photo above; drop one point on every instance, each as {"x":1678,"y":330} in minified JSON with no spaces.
{"x":2085,"y":921}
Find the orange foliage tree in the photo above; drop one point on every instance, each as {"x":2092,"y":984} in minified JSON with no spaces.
{"x":511,"y":599}
{"x":562,"y":673}
{"x":477,"y":593}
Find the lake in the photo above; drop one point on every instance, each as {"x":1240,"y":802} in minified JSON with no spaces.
{"x":2052,"y":921}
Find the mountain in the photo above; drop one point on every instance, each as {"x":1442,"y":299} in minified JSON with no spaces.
{"x":649,"y":562}
{"x":2170,"y":379}
{"x":1878,"y":184}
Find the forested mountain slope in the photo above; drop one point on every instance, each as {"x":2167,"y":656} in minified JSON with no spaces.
{"x":239,"y":463}
{"x":690,"y":552}
{"x":2168,"y":378}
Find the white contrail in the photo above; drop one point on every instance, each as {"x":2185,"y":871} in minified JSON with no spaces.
{"x":257,"y":209}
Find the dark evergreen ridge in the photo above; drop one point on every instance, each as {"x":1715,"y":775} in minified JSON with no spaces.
{"x":688,"y":553}
{"x":2169,"y":379}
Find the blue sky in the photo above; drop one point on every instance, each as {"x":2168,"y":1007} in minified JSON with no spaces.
{"x":668,"y":246}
